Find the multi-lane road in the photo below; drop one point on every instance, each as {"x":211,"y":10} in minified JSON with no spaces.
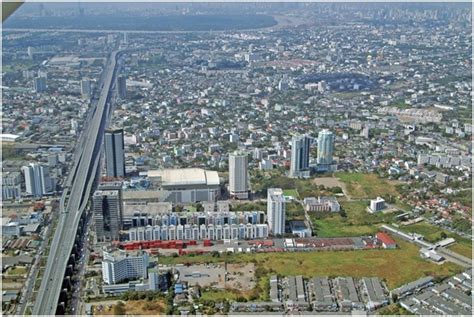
{"x":75,"y":198}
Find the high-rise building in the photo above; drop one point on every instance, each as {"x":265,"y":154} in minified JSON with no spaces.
{"x":300,"y":156}
{"x":238,"y":176}
{"x":114,"y":153}
{"x":11,"y":185}
{"x":122,"y":87}
{"x":37,"y":180}
{"x":107,"y":214}
{"x":325,"y":147}
{"x":39,"y":84}
{"x":30,"y":51}
{"x":86,"y":88}
{"x":276,"y":211}
{"x":119,"y":265}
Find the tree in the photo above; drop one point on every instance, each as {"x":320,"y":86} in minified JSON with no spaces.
{"x":443,"y":235}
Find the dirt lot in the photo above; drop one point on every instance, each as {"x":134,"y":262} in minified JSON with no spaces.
{"x":241,"y":276}
{"x":238,"y":276}
{"x":135,"y":307}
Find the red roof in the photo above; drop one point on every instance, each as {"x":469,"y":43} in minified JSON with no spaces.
{"x":385,"y":238}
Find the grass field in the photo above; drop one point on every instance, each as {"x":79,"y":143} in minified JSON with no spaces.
{"x":219,"y":295}
{"x":432,"y":233}
{"x":397,"y":266}
{"x":291,"y":192}
{"x":357,"y":221}
{"x":294,"y":211}
{"x":360,"y":185}
{"x":18,"y":270}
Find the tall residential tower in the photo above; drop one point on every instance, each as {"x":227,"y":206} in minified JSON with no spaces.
{"x":238,"y":176}
{"x":114,"y":153}
{"x":325,"y":147}
{"x":300,"y":156}
{"x":276,"y":211}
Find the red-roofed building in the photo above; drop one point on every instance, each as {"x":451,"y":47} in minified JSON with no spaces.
{"x":386,"y":240}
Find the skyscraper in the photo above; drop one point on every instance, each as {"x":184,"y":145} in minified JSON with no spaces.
{"x":107,"y":211}
{"x":122,"y":87}
{"x":276,"y":211}
{"x":39,"y":84}
{"x":85,"y":87}
{"x":325,"y":147}
{"x":114,"y":153}
{"x":300,"y":156}
{"x":37,"y":180}
{"x":238,"y":176}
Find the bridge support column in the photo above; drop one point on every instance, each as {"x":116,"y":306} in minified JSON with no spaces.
{"x":61,"y":309}
{"x":69,"y":270}
{"x":67,"y":283}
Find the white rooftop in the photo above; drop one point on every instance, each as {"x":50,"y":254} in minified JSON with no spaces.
{"x":185,"y":176}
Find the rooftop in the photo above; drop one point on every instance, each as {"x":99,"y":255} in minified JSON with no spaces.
{"x":185,"y":176}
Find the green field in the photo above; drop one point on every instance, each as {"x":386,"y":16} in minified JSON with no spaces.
{"x":361,"y":185}
{"x":220,"y":295}
{"x":432,"y":233}
{"x":356,"y":222}
{"x":294,"y":211}
{"x":291,"y":192}
{"x":397,"y":266}
{"x":18,"y":270}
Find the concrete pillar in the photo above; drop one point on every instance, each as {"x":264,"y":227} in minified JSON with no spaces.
{"x":61,"y":309}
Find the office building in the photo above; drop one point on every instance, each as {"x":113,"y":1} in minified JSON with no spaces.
{"x":321,"y":204}
{"x":86,"y":88}
{"x":300,"y":156}
{"x":377,"y":204}
{"x":122,"y":87}
{"x":114,"y":153}
{"x":119,"y":265}
{"x":107,"y":214}
{"x":11,"y":185}
{"x":276,"y":211}
{"x":39,"y":84}
{"x":325,"y":147}
{"x":37,"y":180}
{"x":238,"y":176}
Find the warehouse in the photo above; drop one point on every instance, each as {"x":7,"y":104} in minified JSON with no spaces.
{"x":186,"y":185}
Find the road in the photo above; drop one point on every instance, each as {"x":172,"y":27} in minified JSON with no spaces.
{"x":31,"y":280}
{"x":74,"y":199}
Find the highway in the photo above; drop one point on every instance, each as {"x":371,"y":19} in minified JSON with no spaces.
{"x":75,"y":198}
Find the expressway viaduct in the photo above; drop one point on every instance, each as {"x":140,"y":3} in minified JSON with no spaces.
{"x":65,"y":248}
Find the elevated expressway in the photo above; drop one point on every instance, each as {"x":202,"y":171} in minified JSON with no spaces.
{"x":52,"y":295}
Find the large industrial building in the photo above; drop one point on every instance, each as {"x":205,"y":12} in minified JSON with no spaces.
{"x":186,"y":185}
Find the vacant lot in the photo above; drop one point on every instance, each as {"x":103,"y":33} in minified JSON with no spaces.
{"x":360,"y":185}
{"x":135,"y":307}
{"x":357,"y":221}
{"x":397,"y":266}
{"x":328,"y":182}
